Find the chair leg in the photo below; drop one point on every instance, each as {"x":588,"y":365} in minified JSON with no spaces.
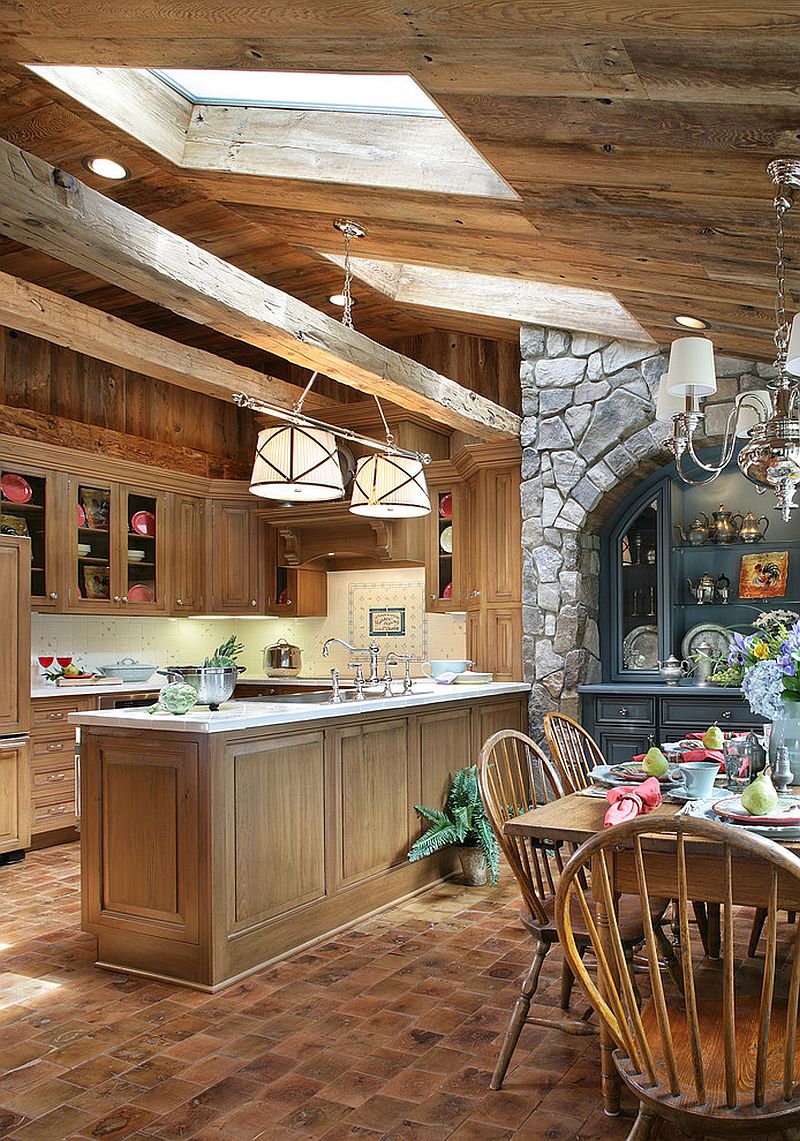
{"x":759,"y":919}
{"x":714,"y":937}
{"x":646,"y":1125}
{"x":568,"y":981}
{"x":521,"y":1008}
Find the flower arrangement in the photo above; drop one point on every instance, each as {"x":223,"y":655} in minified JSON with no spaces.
{"x":768,"y":661}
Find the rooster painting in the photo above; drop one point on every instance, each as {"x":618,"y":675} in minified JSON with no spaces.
{"x":764,"y":576}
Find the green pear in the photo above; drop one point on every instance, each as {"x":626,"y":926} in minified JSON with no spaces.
{"x":655,"y":764}
{"x":713,"y":738}
{"x":760,"y":797}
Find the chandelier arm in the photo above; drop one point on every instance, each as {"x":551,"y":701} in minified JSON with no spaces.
{"x":695,"y":482}
{"x":728,"y":444}
{"x":298,"y":404}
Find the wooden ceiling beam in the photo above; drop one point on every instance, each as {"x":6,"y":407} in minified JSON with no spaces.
{"x":31,"y":309}
{"x":52,"y":211}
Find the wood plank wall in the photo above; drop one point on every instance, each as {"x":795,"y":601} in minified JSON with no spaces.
{"x":53,"y":394}
{"x":483,"y":364}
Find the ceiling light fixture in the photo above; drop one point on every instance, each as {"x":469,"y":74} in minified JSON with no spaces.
{"x":690,"y":322}
{"x":769,"y":419}
{"x":299,"y":461}
{"x":338,"y":299}
{"x":106,"y":167}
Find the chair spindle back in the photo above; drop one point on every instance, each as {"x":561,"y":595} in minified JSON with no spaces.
{"x":574,"y":750}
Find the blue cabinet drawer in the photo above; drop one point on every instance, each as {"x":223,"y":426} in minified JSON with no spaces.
{"x":701,"y":711}
{"x":625,"y":710}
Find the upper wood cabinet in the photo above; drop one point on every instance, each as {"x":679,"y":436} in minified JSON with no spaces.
{"x":36,"y":510}
{"x":117,"y":547}
{"x":290,"y":592}
{"x":189,"y":554}
{"x":15,"y":635}
{"x":237,"y":585}
{"x":445,"y":549}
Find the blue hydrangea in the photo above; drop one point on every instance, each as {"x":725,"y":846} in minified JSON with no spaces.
{"x":763,"y":687}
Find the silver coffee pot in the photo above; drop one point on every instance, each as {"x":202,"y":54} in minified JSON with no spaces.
{"x":696,"y":534}
{"x":704,"y":589}
{"x":749,"y":531}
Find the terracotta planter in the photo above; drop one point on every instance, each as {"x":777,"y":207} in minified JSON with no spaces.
{"x":473,"y":865}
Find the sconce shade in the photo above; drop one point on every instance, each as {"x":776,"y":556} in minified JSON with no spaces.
{"x":667,"y":405}
{"x":388,"y":486}
{"x":296,"y":463}
{"x":748,"y":405}
{"x":691,"y":367}
{"x":793,"y":352}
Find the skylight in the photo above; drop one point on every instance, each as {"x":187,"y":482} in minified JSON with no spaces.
{"x":303,"y":91}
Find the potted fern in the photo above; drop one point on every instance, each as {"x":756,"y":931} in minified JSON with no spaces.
{"x":464,"y":824}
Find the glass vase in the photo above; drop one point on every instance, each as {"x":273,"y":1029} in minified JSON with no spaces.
{"x":786,"y":733}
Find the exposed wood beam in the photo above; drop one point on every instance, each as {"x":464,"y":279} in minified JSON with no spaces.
{"x":52,"y":211}
{"x":31,"y":309}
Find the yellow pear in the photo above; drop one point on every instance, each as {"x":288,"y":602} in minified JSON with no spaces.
{"x":713,"y":738}
{"x":655,"y":764}
{"x":760,"y":797}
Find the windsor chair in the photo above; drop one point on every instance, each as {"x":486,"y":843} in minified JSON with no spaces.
{"x":717,"y":1056}
{"x":574,"y":750}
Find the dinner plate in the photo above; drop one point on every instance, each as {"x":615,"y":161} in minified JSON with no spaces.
{"x":717,"y":637}
{"x":604,"y":775}
{"x":446,"y":505}
{"x":448,"y":591}
{"x":640,"y":648}
{"x":446,"y":540}
{"x":15,"y":489}
{"x":786,"y":813}
{"x":141,"y":592}
{"x":144,"y":523}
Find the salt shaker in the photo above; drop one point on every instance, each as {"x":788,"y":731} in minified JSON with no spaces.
{"x":782,"y":777}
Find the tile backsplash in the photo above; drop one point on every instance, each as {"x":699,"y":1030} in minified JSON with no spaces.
{"x":391,"y":599}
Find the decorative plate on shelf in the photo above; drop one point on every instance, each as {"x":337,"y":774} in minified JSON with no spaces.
{"x":81,"y":516}
{"x":640,"y":648}
{"x":141,"y":592}
{"x":446,"y":540}
{"x":97,"y":582}
{"x":144,"y":523}
{"x":448,"y":591}
{"x":717,"y":637}
{"x":446,"y":505}
{"x":13,"y":525}
{"x":96,"y":506}
{"x":15,"y":489}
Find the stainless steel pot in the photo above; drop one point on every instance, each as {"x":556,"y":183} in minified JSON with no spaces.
{"x":214,"y":684}
{"x":282,"y":659}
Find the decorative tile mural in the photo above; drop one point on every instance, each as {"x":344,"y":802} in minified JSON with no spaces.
{"x":395,"y":614}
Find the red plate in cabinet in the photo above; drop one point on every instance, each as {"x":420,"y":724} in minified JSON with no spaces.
{"x":15,"y":488}
{"x":141,"y":592}
{"x":144,"y":523}
{"x":446,"y":505}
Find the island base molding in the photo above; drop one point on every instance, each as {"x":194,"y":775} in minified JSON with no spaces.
{"x":206,"y":856}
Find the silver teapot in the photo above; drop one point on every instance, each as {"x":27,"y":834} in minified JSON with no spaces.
{"x":696,"y":534}
{"x":724,"y":528}
{"x":749,"y":530}
{"x":672,"y":670}
{"x":704,"y":590}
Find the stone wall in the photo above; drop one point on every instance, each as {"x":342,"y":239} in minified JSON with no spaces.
{"x":588,"y":437}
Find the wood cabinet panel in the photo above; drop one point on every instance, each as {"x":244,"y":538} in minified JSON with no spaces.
{"x":496,"y":715}
{"x":373,"y":794}
{"x":15,"y":635}
{"x":41,"y":517}
{"x":235,"y":586}
{"x":15,"y":820}
{"x":141,"y":835}
{"x":502,"y":633}
{"x":189,"y":555}
{"x":501,"y":537}
{"x":445,"y":745}
{"x":275,"y":827}
{"x":444,"y":571}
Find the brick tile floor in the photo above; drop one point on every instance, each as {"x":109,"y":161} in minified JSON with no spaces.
{"x":390,"y":1031}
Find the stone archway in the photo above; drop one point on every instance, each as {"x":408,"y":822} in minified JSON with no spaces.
{"x":588,"y":437}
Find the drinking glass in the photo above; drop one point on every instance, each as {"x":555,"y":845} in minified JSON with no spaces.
{"x":738,"y":763}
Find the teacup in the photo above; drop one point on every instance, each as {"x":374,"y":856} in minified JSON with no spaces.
{"x":439,"y":666}
{"x":699,"y":777}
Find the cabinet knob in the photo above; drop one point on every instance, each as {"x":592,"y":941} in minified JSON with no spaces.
{"x":726,"y":715}
{"x":117,"y":598}
{"x":289,"y":602}
{"x":253,"y":602}
{"x":124,"y":598}
{"x":623,"y":712}
{"x":179,"y":602}
{"x":54,"y":595}
{"x":57,"y":776}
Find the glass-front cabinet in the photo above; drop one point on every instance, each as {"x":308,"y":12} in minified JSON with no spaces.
{"x":637,"y":561}
{"x":443,"y":571}
{"x":30,"y":502}
{"x":115,"y":547}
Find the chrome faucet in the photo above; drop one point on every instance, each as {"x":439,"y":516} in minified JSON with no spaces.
{"x":372,"y":650}
{"x":360,"y":683}
{"x":336,"y":697}
{"x":393,"y":659}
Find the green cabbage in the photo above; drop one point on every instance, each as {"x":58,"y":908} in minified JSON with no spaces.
{"x":176,"y":697}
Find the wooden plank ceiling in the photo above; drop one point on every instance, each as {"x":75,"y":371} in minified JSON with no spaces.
{"x":636,"y":137}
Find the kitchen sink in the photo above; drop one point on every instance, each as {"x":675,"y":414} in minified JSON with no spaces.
{"x":323,"y":698}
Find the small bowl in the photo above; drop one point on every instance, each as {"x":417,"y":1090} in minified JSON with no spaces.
{"x":84,"y":549}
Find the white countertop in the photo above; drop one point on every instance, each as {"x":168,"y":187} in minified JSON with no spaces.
{"x":154,"y":684}
{"x":237,"y":715}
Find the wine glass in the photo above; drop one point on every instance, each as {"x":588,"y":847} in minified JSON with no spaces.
{"x":64,"y":662}
{"x":45,"y":661}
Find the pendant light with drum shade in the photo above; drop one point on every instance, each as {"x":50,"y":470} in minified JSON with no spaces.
{"x":298,"y":461}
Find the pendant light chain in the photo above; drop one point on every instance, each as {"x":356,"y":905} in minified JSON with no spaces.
{"x":783,"y":202}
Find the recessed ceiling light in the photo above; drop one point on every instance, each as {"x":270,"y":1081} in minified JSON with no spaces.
{"x":689,"y":322}
{"x":106,"y":168}
{"x":338,"y":299}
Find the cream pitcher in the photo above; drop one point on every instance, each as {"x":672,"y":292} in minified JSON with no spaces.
{"x":749,"y":531}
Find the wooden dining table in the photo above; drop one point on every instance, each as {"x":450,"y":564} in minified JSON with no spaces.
{"x":576,"y":817}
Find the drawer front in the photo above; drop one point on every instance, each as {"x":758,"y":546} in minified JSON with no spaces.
{"x":700,"y":712}
{"x":50,"y":714}
{"x":47,"y":813}
{"x":620,"y":747}
{"x":629,"y":710}
{"x":46,"y":751}
{"x":54,"y":781}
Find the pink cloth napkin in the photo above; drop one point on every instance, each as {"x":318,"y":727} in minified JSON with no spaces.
{"x":699,"y":754}
{"x":627,"y":801}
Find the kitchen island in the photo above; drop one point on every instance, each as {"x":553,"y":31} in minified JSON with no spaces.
{"x":215,"y":843}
